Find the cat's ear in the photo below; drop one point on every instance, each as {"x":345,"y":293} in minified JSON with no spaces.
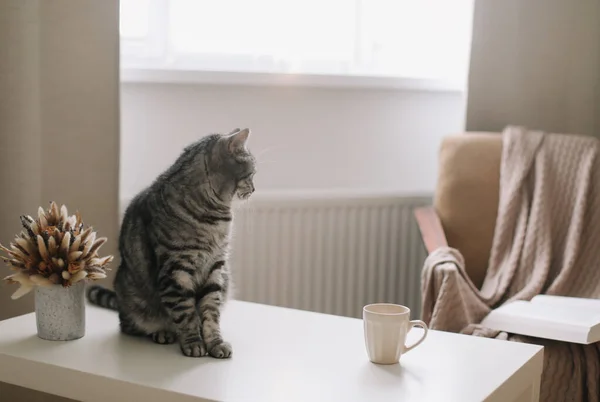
{"x":237,"y":140}
{"x":235,"y":130}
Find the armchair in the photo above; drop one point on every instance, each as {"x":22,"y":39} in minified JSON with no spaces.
{"x":463,"y":214}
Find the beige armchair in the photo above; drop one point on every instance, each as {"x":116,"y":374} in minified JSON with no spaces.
{"x":463,"y":214}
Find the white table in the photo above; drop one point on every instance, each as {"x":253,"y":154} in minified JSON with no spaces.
{"x":278,"y":355}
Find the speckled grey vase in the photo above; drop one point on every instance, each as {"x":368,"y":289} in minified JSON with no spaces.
{"x":60,"y":312}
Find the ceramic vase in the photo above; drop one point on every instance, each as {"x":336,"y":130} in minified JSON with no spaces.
{"x":60,"y":311}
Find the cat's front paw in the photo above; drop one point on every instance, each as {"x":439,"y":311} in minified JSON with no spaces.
{"x":222,"y":350}
{"x":194,"y":349}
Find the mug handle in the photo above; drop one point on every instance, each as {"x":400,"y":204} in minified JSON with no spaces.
{"x":417,"y":323}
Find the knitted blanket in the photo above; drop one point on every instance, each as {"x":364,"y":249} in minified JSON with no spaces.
{"x":546,"y":241}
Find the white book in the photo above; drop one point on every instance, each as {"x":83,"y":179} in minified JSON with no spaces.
{"x":568,"y":319}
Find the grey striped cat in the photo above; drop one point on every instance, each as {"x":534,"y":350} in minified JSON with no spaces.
{"x":173,"y":278}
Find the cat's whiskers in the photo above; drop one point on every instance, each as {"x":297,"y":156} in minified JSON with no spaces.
{"x":259,"y":154}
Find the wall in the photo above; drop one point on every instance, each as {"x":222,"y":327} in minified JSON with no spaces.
{"x":59,"y":123}
{"x":20,"y":134}
{"x":59,"y":128}
{"x":304,"y":138}
{"x":535,"y":63}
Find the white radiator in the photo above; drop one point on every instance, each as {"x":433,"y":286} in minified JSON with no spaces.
{"x":331,"y":253}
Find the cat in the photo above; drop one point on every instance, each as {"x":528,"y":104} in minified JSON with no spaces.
{"x":174,"y":277}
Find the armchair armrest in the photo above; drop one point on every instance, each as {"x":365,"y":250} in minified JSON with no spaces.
{"x":431,"y":228}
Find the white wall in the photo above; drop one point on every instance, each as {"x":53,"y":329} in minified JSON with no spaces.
{"x":304,"y":138}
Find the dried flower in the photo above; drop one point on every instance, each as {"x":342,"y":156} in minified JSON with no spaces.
{"x":54,"y":249}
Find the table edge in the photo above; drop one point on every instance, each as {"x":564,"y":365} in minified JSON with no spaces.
{"x":516,"y":384}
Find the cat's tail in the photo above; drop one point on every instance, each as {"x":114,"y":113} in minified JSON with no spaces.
{"x":102,"y":297}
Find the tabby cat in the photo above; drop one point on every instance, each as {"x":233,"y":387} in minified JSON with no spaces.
{"x":174,"y":278}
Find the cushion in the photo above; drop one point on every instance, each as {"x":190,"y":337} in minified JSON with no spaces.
{"x":466,"y":196}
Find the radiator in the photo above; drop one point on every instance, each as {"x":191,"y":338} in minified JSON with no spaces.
{"x":331,"y":253}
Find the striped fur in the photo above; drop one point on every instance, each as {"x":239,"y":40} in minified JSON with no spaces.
{"x":174,"y":276}
{"x":102,"y":297}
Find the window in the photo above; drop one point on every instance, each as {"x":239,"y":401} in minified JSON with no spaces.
{"x":414,"y":39}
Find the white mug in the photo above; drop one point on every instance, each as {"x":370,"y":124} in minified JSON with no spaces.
{"x":386,"y":326}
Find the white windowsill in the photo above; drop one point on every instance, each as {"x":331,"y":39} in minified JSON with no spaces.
{"x":174,"y":76}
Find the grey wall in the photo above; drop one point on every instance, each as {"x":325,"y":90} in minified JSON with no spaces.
{"x":59,"y":122}
{"x":535,"y":63}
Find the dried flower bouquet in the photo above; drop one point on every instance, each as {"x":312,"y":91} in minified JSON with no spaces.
{"x":54,"y":249}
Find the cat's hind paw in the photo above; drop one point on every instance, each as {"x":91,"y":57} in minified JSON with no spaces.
{"x":164,"y":337}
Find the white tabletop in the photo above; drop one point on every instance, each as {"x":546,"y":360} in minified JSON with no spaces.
{"x":278,"y":355}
